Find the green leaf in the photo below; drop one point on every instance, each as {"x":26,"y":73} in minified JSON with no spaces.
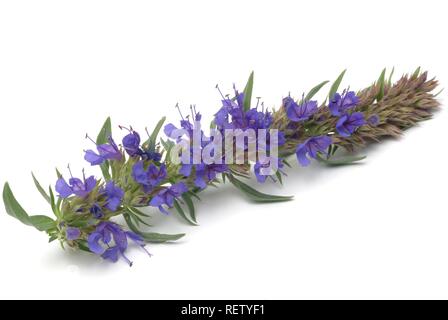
{"x":186,"y":197}
{"x":416,"y":72}
{"x":279,"y":177}
{"x":254,"y":194}
{"x":438,"y":93}
{"x":287,"y":163}
{"x":42,"y":223}
{"x":152,"y":236}
{"x":181,"y":213}
{"x":83,"y":245}
{"x":335,"y":86}
{"x":58,"y":174}
{"x":168,"y":146}
{"x":105,"y":170}
{"x":105,"y":132}
{"x":14,"y":209}
{"x":389,"y":81}
{"x":381,"y":84}
{"x":248,"y":92}
{"x":151,"y":142}
{"x":103,"y":137}
{"x":194,"y":195}
{"x":138,"y":220}
{"x":341,"y":162}
{"x":315,"y":90}
{"x":138,"y":212}
{"x":40,"y":189}
{"x":54,"y":208}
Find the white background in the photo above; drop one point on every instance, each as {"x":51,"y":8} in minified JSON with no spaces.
{"x":376,"y":230}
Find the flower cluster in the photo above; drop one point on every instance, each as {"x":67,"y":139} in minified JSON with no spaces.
{"x":341,"y":106}
{"x":143,"y":174}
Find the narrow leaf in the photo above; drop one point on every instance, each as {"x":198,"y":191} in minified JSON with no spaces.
{"x":105,"y":132}
{"x":340,"y":162}
{"x":54,"y":208}
{"x":181,"y":212}
{"x":279,"y":177}
{"x":13,"y":208}
{"x":186,"y":197}
{"x":151,"y":142}
{"x":416,"y":72}
{"x":103,"y":137}
{"x":58,"y":174}
{"x":381,"y":84}
{"x":248,"y":91}
{"x":152,"y":236}
{"x":138,"y":219}
{"x":40,"y":189}
{"x":83,"y":245}
{"x":256,"y":195}
{"x":335,"y":86}
{"x":138,"y":212}
{"x":105,"y":170}
{"x":42,"y":223}
{"x":315,"y":90}
{"x":389,"y":81}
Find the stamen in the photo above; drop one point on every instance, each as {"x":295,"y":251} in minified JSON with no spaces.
{"x":219,"y":90}
{"x":126,"y":259}
{"x":69,"y":170}
{"x":88,"y":137}
{"x":258,"y":102}
{"x":236,"y":91}
{"x":123,"y":127}
{"x":149,"y":254}
{"x":178,"y":109}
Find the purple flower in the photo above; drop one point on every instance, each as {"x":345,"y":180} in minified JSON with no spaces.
{"x":222,"y":118}
{"x":299,"y":112}
{"x":96,"y":211}
{"x":207,"y":172}
{"x":131,"y":143}
{"x":114,"y":195}
{"x":266,"y":165}
{"x":348,"y":123}
{"x":311,"y":147}
{"x":80,"y":188}
{"x":339,"y":104}
{"x":185,"y":124}
{"x":232,"y":110}
{"x":151,"y":155}
{"x":258,"y":119}
{"x":167,"y":196}
{"x":232,"y":115}
{"x":149,"y":178}
{"x":72,"y":233}
{"x":373,"y":120}
{"x":108,"y":151}
{"x":110,"y":241}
